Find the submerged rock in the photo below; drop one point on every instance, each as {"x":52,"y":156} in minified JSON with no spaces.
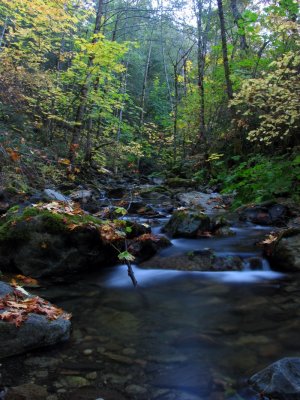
{"x":37,"y":331}
{"x":186,"y":223}
{"x":280,"y":380}
{"x":29,"y":391}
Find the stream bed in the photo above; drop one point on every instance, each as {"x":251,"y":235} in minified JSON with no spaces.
{"x":178,"y":336}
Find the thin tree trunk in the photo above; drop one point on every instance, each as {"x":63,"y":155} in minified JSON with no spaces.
{"x":175,"y":113}
{"x":237,"y":20}
{"x":145,"y":85}
{"x":201,"y":60}
{"x":3,"y":31}
{"x":224,"y":50}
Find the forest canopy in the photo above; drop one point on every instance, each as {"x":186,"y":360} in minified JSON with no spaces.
{"x":152,"y":85}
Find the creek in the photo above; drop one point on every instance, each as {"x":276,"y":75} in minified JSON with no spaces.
{"x":178,"y":336}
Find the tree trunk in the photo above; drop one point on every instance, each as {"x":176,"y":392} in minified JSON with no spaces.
{"x":200,"y":65}
{"x":201,"y":60}
{"x":224,"y":50}
{"x":145,"y":86}
{"x":3,"y":32}
{"x":237,"y":17}
{"x":175,"y":113}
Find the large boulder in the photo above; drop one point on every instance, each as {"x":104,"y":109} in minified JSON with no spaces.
{"x":35,"y":331}
{"x":284,"y":252}
{"x":187,"y":223}
{"x":203,"y":260}
{"x":280,"y":380}
{"x":46,"y":242}
{"x":210,"y":203}
{"x":269,"y":213}
{"x":147,"y":245}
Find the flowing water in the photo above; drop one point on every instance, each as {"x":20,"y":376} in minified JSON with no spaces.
{"x":179,"y":336}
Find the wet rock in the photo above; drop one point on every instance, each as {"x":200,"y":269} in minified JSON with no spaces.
{"x":129,"y":351}
{"x":81,"y":195}
{"x":116,"y":379}
{"x":147,"y":246}
{"x":39,"y":243}
{"x":92,"y":375}
{"x":185,"y":223}
{"x":42,"y":362}
{"x":55,"y":195}
{"x":204,"y":260}
{"x":208,"y":202}
{"x":87,"y":352}
{"x":267,"y":214}
{"x":4,"y":206}
{"x":91,"y":393}
{"x":37,"y":331}
{"x":28,"y":391}
{"x":135,"y":390}
{"x":74,"y":381}
{"x":180,"y":183}
{"x":280,"y":380}
{"x":285,"y":252}
{"x":254,"y":263}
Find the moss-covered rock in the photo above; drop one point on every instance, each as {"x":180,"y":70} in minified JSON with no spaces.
{"x":186,"y":223}
{"x":180,"y":182}
{"x":41,"y":241}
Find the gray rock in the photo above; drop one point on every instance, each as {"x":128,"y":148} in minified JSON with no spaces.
{"x":280,"y":380}
{"x":28,"y":391}
{"x":204,"y":260}
{"x":83,"y":195}
{"x":55,"y":195}
{"x":269,"y":213}
{"x":186,"y":223}
{"x":135,"y":390}
{"x":5,"y":289}
{"x":209,"y":202}
{"x":36,"y":331}
{"x":286,"y":253}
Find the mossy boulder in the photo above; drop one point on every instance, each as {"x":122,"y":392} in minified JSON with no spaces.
{"x":180,"y":182}
{"x":41,"y":243}
{"x":186,"y":223}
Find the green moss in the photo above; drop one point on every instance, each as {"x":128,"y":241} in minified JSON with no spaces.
{"x":18,"y":226}
{"x":180,"y":182}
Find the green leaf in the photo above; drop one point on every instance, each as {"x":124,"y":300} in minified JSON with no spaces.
{"x":125,"y":255}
